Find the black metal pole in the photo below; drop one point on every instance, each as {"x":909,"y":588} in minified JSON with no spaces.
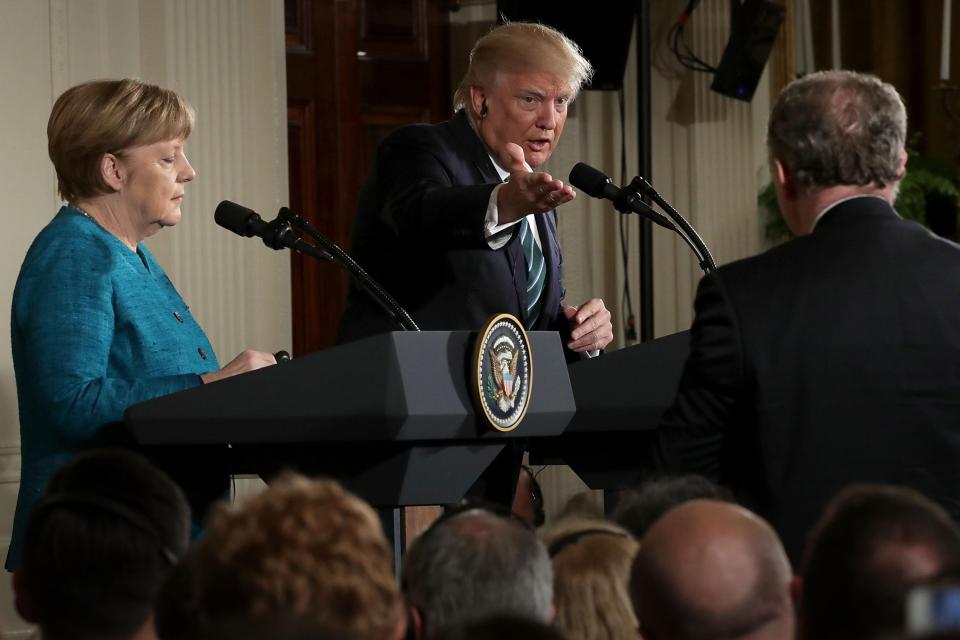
{"x":646,"y":166}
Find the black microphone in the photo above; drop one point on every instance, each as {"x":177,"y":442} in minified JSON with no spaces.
{"x":276,"y":234}
{"x":595,"y":184}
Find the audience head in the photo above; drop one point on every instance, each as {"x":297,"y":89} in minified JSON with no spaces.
{"x":591,"y":573}
{"x":639,"y":508}
{"x":871,"y":546}
{"x":99,"y":544}
{"x":473,"y":564}
{"x":710,"y":569}
{"x":839,"y":128}
{"x":303,"y":559}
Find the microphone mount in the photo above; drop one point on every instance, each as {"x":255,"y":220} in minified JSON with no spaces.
{"x":360,"y":276}
{"x":633,"y":199}
{"x":279,"y":234}
{"x":686,"y":231}
{"x":629,"y":200}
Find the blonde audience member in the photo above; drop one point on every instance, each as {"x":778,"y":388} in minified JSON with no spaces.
{"x":591,"y":571}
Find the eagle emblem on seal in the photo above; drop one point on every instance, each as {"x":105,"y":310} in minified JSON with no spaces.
{"x":503,"y":369}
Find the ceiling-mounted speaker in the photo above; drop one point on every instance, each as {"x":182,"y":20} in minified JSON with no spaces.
{"x":756,"y":24}
{"x":602,"y":30}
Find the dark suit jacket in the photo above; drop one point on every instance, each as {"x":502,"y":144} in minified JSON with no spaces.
{"x":419,"y":233}
{"x":832,"y":359}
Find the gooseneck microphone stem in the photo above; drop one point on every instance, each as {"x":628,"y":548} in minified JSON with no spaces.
{"x":630,"y":200}
{"x":360,"y":277}
{"x":686,"y":231}
{"x":278,"y":234}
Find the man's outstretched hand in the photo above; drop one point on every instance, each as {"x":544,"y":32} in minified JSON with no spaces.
{"x":528,"y":191}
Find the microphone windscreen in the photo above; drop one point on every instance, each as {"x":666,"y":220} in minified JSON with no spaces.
{"x":234,"y":217}
{"x":588,"y":180}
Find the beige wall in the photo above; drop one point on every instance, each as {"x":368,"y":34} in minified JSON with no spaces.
{"x":227,"y":58}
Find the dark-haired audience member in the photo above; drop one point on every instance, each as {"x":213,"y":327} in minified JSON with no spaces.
{"x":473,"y":565}
{"x":591,"y":573}
{"x":304,"y":559}
{"x":639,"y":508}
{"x":831,"y":359}
{"x":98,"y":545}
{"x":501,"y":628}
{"x":872,"y":545}
{"x":710,"y":569}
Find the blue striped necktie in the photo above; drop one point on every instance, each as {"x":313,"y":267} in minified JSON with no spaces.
{"x":536,"y":273}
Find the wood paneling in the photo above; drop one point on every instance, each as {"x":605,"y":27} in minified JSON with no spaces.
{"x":356,"y":69}
{"x":899,"y":42}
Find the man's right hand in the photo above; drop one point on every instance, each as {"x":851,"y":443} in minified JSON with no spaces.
{"x":528,"y":191}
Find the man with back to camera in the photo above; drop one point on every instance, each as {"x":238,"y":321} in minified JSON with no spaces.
{"x":831,"y":359}
{"x":439,"y":228}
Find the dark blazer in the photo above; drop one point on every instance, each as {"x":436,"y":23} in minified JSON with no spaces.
{"x":419,"y":233}
{"x":832,"y":359}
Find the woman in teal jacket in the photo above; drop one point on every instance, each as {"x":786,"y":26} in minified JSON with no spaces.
{"x":96,"y":324}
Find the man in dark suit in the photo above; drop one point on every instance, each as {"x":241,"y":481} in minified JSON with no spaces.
{"x":834,"y":358}
{"x":439,"y":228}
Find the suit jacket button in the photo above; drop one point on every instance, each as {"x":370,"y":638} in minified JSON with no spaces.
{"x":203,"y":354}
{"x":178,"y":317}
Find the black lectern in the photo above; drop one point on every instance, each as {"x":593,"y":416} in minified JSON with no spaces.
{"x":390,"y":416}
{"x":620,"y":398}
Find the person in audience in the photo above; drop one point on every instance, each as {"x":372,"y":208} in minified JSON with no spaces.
{"x":637,"y":509}
{"x":483,"y":247}
{"x":472,"y":564}
{"x":98,"y":546}
{"x":711,"y":569}
{"x":591,"y":573}
{"x":96,"y":325}
{"x":303,"y":559}
{"x":828,"y":360}
{"x":872,"y":545}
{"x":528,"y":499}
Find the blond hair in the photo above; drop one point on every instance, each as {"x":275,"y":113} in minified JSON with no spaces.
{"x":591,"y":573}
{"x":304,"y":552}
{"x":109,"y":116}
{"x":523,"y":46}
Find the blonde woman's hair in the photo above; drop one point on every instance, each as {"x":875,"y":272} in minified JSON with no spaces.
{"x":109,"y":116}
{"x":591,"y":573}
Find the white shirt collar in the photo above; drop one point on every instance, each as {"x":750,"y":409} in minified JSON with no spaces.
{"x":500,"y":172}
{"x":504,"y":174}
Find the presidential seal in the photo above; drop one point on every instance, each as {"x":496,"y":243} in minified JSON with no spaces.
{"x":503,"y":370}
